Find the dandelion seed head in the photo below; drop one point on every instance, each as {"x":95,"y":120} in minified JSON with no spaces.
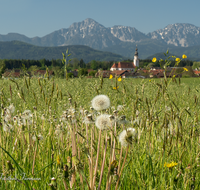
{"x":127,"y":136}
{"x":103,"y":122}
{"x":100,"y":102}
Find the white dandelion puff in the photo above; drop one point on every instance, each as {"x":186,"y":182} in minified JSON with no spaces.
{"x":103,"y":122}
{"x":127,"y":136}
{"x":100,"y":102}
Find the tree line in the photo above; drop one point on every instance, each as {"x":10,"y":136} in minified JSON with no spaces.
{"x":58,"y":67}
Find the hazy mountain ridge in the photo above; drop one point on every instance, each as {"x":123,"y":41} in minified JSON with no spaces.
{"x":22,"y":50}
{"x":116,"y":39}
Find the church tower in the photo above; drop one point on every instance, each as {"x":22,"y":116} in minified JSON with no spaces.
{"x":136,"y":59}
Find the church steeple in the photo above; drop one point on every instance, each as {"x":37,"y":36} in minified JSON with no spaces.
{"x":136,"y":51}
{"x":136,"y":59}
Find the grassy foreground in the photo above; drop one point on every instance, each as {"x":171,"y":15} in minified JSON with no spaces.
{"x":49,"y":138}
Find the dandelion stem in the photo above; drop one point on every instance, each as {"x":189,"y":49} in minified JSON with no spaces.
{"x":97,"y":159}
{"x":122,"y":168}
{"x":102,"y":168}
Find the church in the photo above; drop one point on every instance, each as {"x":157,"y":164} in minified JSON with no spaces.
{"x":129,"y":66}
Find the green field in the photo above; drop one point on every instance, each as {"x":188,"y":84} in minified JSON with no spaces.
{"x":49,"y":138}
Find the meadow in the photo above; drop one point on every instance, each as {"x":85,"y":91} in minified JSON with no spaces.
{"x":55,"y":135}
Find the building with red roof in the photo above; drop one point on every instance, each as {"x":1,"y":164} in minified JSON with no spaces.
{"x":129,"y":66}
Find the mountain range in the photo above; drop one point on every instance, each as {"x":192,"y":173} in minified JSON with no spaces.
{"x":178,"y":38}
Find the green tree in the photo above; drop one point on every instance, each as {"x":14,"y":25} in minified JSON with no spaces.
{"x":94,"y":65}
{"x":82,"y":72}
{"x":2,"y":67}
{"x":92,"y":73}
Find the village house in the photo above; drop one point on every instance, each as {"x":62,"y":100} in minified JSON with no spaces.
{"x":127,"y":66}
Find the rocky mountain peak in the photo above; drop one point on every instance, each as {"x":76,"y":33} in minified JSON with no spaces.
{"x":179,"y":34}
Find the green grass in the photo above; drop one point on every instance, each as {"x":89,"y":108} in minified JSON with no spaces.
{"x":167,"y":131}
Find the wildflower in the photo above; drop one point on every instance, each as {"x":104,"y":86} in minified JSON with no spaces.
{"x":110,"y":76}
{"x":58,"y":160}
{"x":100,"y":102}
{"x":127,"y":136}
{"x":115,"y":88}
{"x":177,"y":59}
{"x":170,"y":165}
{"x":120,"y":79}
{"x":184,"y":56}
{"x":154,"y":59}
{"x":103,"y":122}
{"x":185,"y":69}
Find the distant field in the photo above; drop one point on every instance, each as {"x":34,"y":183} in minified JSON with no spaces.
{"x":48,"y":137}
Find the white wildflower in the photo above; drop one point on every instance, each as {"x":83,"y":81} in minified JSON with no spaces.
{"x":127,"y":136}
{"x":100,"y":102}
{"x":103,"y":122}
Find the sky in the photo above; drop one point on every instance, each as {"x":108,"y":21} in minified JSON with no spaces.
{"x":41,"y":17}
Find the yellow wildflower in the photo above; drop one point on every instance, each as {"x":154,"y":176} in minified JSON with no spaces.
{"x":115,"y":88}
{"x":170,"y":165}
{"x":185,"y":69}
{"x":120,"y":79}
{"x":110,"y":76}
{"x":184,"y":56}
{"x":58,"y":160}
{"x":154,"y":59}
{"x":177,"y":59}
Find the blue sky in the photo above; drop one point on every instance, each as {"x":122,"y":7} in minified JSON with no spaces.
{"x":41,"y":17}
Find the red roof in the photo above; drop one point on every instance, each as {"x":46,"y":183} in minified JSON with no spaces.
{"x":117,"y":72}
{"x":196,"y":72}
{"x":123,"y":65}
